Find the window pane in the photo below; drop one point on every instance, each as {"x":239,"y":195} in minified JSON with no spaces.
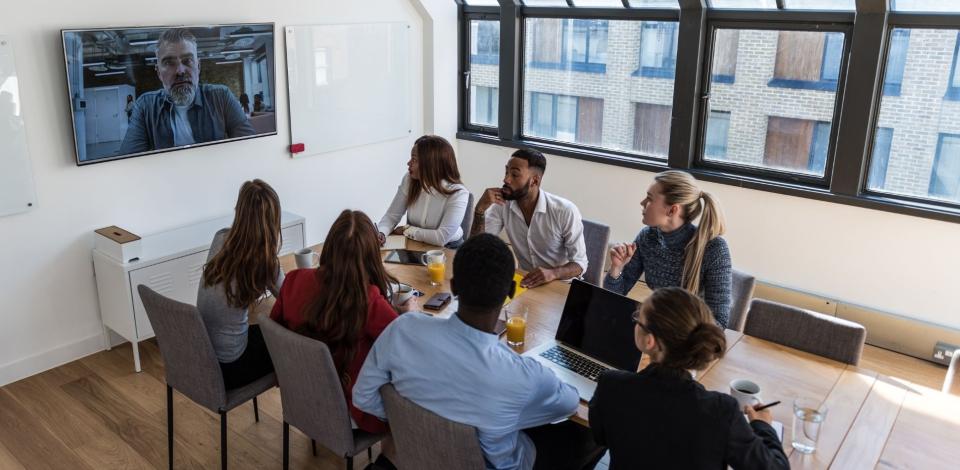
{"x":718,"y":129}
{"x":821,"y":4}
{"x":926,"y":5}
{"x":598,"y":3}
{"x":545,"y":3}
{"x":896,"y":61}
{"x":584,"y":81}
{"x":916,"y":149}
{"x":655,"y":3}
{"x":484,"y":72}
{"x":778,"y":110}
{"x":744,"y":4}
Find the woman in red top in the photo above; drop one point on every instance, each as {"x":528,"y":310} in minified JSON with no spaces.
{"x":343,"y":302}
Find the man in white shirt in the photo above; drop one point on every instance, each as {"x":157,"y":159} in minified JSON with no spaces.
{"x":546,"y":230}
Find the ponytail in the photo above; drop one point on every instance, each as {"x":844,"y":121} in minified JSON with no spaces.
{"x":679,"y":187}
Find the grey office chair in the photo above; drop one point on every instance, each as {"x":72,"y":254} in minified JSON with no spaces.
{"x":465,"y":224}
{"x":311,"y":395}
{"x":742,"y":286}
{"x":426,"y":440}
{"x":809,"y":331}
{"x":596,"y":236}
{"x":191,"y":365}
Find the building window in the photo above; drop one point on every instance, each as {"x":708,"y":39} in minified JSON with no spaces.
{"x":718,"y":127}
{"x":795,"y":69}
{"x":484,"y":106}
{"x":896,"y":61}
{"x":651,"y":124}
{"x":953,"y":88}
{"x":658,"y":49}
{"x":566,"y":118}
{"x":485,"y":42}
{"x":796,"y":145}
{"x":570,"y":44}
{"x":880,"y":158}
{"x":945,"y":178}
{"x":725,"y":46}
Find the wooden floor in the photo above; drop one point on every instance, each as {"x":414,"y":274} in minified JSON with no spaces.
{"x":96,"y":413}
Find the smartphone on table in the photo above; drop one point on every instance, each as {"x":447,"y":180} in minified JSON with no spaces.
{"x":438,"y":301}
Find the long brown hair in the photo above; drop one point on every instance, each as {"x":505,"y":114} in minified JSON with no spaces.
{"x":247,"y":264}
{"x":679,"y":187}
{"x":437,"y":164}
{"x":349,"y":263}
{"x":684,"y":327}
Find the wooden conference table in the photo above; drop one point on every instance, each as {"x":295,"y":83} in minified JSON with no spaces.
{"x":872,"y":420}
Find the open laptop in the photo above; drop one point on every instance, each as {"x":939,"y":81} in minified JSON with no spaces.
{"x":595,"y":334}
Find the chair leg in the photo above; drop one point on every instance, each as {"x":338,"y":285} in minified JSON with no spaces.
{"x":170,"y":426}
{"x":370,"y":454}
{"x":349,"y":463}
{"x":286,"y":445}
{"x":256,"y":410}
{"x":313,"y":444}
{"x":223,"y":440}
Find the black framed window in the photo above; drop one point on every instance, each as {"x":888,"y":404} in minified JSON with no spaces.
{"x":482,"y":74}
{"x":485,"y":42}
{"x":569,"y":44}
{"x":782,"y":132}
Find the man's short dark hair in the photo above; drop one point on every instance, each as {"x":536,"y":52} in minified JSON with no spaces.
{"x":535,"y":159}
{"x":483,"y":271}
{"x":175,"y":35}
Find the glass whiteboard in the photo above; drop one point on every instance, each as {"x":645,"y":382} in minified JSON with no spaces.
{"x":17,"y":193}
{"x":349,"y":84}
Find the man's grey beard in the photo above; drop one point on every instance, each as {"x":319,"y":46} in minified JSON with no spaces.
{"x":182,"y":95}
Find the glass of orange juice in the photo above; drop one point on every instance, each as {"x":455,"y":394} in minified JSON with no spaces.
{"x":516,"y":325}
{"x":436,"y":263}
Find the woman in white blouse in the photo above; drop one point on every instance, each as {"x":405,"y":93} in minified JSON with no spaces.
{"x":430,"y":194}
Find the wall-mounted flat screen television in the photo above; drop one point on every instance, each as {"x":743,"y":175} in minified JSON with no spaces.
{"x":137,"y":91}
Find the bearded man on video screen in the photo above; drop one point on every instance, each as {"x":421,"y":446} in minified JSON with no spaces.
{"x":184,"y":112}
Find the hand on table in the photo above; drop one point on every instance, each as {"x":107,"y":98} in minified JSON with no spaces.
{"x":382,"y":238}
{"x":399,"y":230}
{"x":411,"y":305}
{"x":538,"y":277}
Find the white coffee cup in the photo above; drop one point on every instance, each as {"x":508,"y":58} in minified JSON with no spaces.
{"x":746,"y":392}
{"x":400,"y":293}
{"x":305,"y":258}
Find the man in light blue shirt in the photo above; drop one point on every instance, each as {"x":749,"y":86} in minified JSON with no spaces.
{"x":458,"y":369}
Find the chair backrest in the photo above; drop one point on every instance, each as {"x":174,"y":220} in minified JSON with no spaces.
{"x":596,"y":236}
{"x":189,"y":361}
{"x":951,"y":383}
{"x":427,"y":440}
{"x":468,"y":217}
{"x":310,"y":390}
{"x":742,"y":286}
{"x":809,"y":331}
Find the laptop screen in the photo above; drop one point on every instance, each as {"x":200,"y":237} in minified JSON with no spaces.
{"x":598,"y":323}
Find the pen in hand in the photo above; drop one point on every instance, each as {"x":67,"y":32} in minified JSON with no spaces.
{"x":763,"y":407}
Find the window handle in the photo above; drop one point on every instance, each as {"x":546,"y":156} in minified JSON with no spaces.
{"x":466,"y":80}
{"x":706,"y":96}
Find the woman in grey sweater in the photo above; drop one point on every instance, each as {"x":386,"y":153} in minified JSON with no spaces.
{"x":241,"y":266}
{"x":673,"y":252}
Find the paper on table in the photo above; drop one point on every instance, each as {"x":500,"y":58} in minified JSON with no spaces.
{"x":394,"y":242}
{"x":517,"y":290}
{"x":776,"y":425}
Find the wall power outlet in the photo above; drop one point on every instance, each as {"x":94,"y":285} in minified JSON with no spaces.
{"x":943,"y":352}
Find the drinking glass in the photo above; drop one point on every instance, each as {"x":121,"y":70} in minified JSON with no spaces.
{"x":436,"y":263}
{"x":808,"y":416}
{"x":516,"y":325}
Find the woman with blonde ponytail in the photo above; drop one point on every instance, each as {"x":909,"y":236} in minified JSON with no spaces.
{"x":672,"y":251}
{"x":660,"y":417}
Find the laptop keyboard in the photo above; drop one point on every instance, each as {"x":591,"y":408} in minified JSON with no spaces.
{"x":574,"y":362}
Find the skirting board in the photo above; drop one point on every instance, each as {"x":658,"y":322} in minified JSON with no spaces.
{"x":884,"y":330}
{"x":25,"y":367}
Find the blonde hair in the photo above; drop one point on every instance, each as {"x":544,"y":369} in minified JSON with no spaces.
{"x":679,"y":187}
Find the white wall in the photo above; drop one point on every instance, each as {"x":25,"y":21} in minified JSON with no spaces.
{"x":50,"y":312}
{"x":895,"y":263}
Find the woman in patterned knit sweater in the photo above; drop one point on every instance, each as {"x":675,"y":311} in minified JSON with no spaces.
{"x":672,"y":251}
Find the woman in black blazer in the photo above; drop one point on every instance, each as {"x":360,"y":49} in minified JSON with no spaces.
{"x":661,"y":417}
